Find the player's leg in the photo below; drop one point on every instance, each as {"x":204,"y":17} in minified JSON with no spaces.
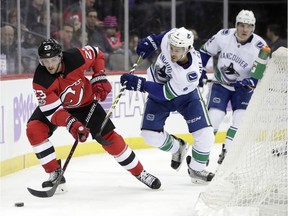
{"x":152,"y":131}
{"x":127,"y":158}
{"x":239,"y":102}
{"x":196,"y":116}
{"x":203,"y":141}
{"x":38,"y":130}
{"x":217,"y":105}
{"x":121,"y":152}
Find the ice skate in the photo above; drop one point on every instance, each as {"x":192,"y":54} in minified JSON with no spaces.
{"x":199,"y":177}
{"x":222,"y":155}
{"x":52,"y":179}
{"x":178,"y":157}
{"x":149,"y":180}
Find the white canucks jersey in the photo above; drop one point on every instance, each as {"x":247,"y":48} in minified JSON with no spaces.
{"x":177,"y":80}
{"x":235,"y":60}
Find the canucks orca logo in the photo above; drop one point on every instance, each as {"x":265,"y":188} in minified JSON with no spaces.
{"x":229,"y":75}
{"x":192,"y":76}
{"x":160,"y":73}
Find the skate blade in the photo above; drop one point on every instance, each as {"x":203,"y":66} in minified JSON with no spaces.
{"x":199,"y":181}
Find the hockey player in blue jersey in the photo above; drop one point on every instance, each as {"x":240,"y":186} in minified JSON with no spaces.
{"x":238,"y":48}
{"x":172,"y":86}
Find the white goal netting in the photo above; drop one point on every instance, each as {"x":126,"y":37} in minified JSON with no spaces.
{"x":252,"y":181}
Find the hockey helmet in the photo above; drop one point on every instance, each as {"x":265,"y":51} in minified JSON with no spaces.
{"x":246,"y":16}
{"x":49,"y":48}
{"x":182,"y":37}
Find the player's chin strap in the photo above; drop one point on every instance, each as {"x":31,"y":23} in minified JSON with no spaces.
{"x":51,"y":192}
{"x":98,"y":136}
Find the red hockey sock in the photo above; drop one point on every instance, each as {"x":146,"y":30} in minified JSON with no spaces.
{"x":51,"y":166}
{"x":122,"y":153}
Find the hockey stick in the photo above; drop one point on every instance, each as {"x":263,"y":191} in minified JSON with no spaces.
{"x":205,"y":81}
{"x":98,"y":136}
{"x":51,"y":192}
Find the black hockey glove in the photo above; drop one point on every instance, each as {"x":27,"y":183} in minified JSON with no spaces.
{"x":247,"y":85}
{"x":146,"y":46}
{"x":133,"y":82}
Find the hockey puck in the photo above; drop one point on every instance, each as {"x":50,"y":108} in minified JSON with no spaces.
{"x":19,"y":204}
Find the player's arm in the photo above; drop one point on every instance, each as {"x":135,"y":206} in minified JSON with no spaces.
{"x":51,"y":107}
{"x":148,"y":45}
{"x":136,"y":83}
{"x":257,"y":72}
{"x":95,"y":59}
{"x":163,"y":92}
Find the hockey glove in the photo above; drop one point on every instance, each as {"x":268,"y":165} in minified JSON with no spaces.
{"x":146,"y":46}
{"x":133,"y":82}
{"x":202,"y":77}
{"x":247,"y":85}
{"x":100,"y":85}
{"x":77,"y":129}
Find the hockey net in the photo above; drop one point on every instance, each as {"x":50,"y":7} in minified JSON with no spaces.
{"x":252,"y":180}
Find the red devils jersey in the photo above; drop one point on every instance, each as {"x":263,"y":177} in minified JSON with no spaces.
{"x":68,"y":89}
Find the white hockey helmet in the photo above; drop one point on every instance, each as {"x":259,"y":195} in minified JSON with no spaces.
{"x":246,"y":16}
{"x":182,"y":37}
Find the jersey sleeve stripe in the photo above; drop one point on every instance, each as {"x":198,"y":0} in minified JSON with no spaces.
{"x":50,"y":109}
{"x":168,"y":92}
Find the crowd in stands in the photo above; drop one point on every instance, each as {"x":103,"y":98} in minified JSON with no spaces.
{"x":104,"y":28}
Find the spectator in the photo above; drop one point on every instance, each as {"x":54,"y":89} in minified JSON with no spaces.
{"x":274,"y":39}
{"x":79,"y":38}
{"x":65,"y":35}
{"x":95,"y":33}
{"x":32,"y":12}
{"x":133,"y":41}
{"x":112,"y":35}
{"x":12,"y":20}
{"x":8,"y":51}
{"x":76,"y":24}
{"x":41,"y":28}
{"x":75,"y":11}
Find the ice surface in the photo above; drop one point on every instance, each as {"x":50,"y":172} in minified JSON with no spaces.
{"x":98,"y":186}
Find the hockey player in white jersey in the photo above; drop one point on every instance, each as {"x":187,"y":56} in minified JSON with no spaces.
{"x":238,"y":48}
{"x":172,"y":86}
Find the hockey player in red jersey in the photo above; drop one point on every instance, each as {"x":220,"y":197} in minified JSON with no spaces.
{"x":64,"y":97}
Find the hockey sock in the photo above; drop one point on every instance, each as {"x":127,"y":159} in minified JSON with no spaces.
{"x":122,"y":153}
{"x":45,"y":152}
{"x":161,"y":140}
{"x":229,"y":137}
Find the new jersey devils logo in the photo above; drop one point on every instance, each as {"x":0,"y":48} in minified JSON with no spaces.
{"x":72,"y":95}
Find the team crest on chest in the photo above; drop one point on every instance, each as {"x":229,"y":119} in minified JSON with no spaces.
{"x":72,"y":95}
{"x":192,"y":76}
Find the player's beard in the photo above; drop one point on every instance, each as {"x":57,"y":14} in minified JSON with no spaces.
{"x":54,"y":71}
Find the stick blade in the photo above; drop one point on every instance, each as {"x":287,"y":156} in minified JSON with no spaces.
{"x":101,"y":140}
{"x":47,"y":193}
{"x":43,"y":194}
